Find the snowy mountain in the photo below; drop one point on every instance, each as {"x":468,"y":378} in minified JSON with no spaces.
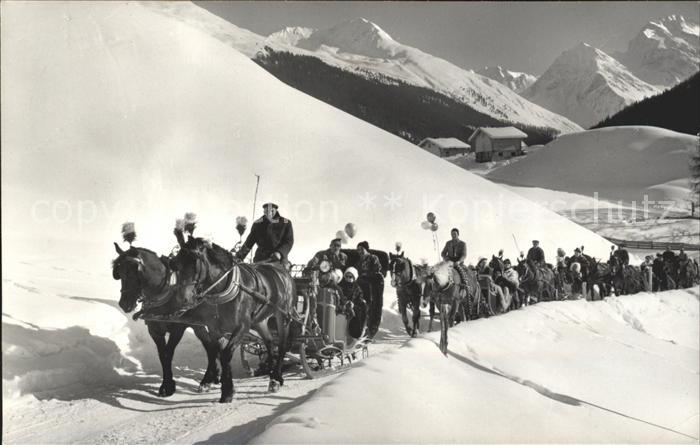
{"x":618,"y":163}
{"x":587,"y":85}
{"x":361,"y":46}
{"x":514,"y":80}
{"x":289,"y":35}
{"x":664,"y":52}
{"x":141,"y":111}
{"x":675,"y":109}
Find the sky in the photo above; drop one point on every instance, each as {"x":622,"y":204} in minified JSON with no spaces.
{"x":521,"y":36}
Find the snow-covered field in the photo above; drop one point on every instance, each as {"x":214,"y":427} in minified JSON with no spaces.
{"x":619,"y":163}
{"x":125,"y":111}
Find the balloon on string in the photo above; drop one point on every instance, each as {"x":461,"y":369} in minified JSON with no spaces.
{"x":430,"y":217}
{"x":425,"y":225}
{"x":350,"y":229}
{"x":434,"y":227}
{"x":342,"y":235}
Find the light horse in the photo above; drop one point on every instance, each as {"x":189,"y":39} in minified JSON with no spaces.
{"x":405,"y":278}
{"x":445,"y":287}
{"x":234,"y":297}
{"x":145,"y":277}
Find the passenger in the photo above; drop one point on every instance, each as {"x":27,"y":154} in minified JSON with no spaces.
{"x":336,"y":258}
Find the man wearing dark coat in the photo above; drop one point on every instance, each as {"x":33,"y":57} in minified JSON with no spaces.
{"x":669,"y":256}
{"x":659,"y":269}
{"x":536,"y":254}
{"x":455,"y":250}
{"x":272,"y":233}
{"x":622,"y":255}
{"x":333,"y":255}
{"x":371,"y":282}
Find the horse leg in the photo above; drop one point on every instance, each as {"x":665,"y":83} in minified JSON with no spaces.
{"x":416,"y":317}
{"x":157,"y":332}
{"x":226,"y":348}
{"x":432,"y":315}
{"x":445,"y":310}
{"x":211,"y":376}
{"x":276,"y":378}
{"x":404,"y":315}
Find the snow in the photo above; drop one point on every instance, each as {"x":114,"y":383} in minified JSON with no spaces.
{"x":587,"y":85}
{"x":514,"y":80}
{"x":447,"y":142}
{"x":618,"y":163}
{"x":199,"y":149}
{"x":127,"y":111}
{"x":543,"y":374}
{"x":665,"y":52}
{"x":289,"y":35}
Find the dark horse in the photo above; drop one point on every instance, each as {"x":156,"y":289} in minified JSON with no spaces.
{"x":537,"y":281}
{"x":447,"y":290}
{"x":145,"y":277}
{"x":600,"y":275}
{"x":405,"y":278}
{"x":626,"y":279}
{"x":234,"y":297}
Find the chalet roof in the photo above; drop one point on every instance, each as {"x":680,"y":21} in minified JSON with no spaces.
{"x":499,"y":133}
{"x":446,"y":142}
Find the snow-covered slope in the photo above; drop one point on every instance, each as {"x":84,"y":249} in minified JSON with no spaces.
{"x":161,"y":118}
{"x":665,"y":52}
{"x":619,"y":163}
{"x":289,"y":35}
{"x":363,"y":47}
{"x":121,"y":111}
{"x":514,"y":80}
{"x":586,"y":85}
{"x":622,"y":370}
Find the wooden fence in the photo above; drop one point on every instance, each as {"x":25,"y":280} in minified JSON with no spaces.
{"x":654,"y":245}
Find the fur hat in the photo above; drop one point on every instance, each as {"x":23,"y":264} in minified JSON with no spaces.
{"x":363,"y":244}
{"x":352,"y":271}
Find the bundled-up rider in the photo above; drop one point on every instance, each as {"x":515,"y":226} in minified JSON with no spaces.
{"x":273,"y":234}
{"x":536,"y":254}
{"x":353,"y":302}
{"x":508,"y":280}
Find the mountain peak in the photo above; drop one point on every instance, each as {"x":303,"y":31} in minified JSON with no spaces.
{"x":290,"y":35}
{"x":356,"y":36}
{"x":512,"y":79}
{"x":665,"y":51}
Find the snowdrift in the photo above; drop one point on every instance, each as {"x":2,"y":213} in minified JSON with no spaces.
{"x":621,"y":370}
{"x":619,"y":163}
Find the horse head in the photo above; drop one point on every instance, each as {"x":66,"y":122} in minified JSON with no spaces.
{"x":137,"y":269}
{"x":496,"y":264}
{"x":401,"y":270}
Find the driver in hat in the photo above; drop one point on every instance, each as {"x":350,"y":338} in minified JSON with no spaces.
{"x":272,"y":233}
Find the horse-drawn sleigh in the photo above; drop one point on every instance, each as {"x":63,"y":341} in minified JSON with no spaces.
{"x":338,"y":335}
{"x":202,"y":286}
